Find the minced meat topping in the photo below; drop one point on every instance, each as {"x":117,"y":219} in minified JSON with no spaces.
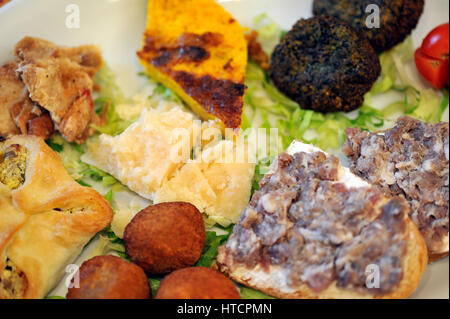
{"x":318,"y":230}
{"x":411,"y":160}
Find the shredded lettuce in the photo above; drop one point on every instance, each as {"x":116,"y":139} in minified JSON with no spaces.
{"x":110,"y":96}
{"x":269,"y":32}
{"x":54,"y":146}
{"x":166,"y":94}
{"x":109,"y":243}
{"x":106,"y":80}
{"x":249,"y":293}
{"x":265,"y":106}
{"x":155,"y":282}
{"x":425,"y":104}
{"x":213,"y":242}
{"x":115,"y":125}
{"x":70,"y":154}
{"x":429,"y":107}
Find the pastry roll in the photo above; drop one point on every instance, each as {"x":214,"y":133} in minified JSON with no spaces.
{"x":46,"y":218}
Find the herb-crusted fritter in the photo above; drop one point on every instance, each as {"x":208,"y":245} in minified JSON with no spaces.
{"x":324,"y":65}
{"x":397,"y":18}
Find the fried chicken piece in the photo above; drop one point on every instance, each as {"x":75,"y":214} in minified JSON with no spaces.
{"x":11,"y":93}
{"x":61,"y":81}
{"x":87,"y":56}
{"x":31,"y":119}
{"x":18,"y":114}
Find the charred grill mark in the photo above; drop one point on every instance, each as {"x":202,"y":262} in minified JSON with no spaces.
{"x":228,"y":66}
{"x":219,"y":97}
{"x":180,"y":55}
{"x":207,"y":39}
{"x":222,"y":98}
{"x":187,"y":48}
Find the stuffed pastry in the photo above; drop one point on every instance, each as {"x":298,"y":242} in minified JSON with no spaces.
{"x":46,"y":218}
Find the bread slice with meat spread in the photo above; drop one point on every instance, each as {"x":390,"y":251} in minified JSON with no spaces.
{"x":315,"y":230}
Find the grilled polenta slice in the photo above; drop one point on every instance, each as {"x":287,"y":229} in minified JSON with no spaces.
{"x":198,"y":50}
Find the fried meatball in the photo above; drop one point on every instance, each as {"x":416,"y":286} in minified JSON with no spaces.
{"x":165,"y":237}
{"x":110,"y":277}
{"x":323,"y":64}
{"x":397,"y":18}
{"x":196,"y":283}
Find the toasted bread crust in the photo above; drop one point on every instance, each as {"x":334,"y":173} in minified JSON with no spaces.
{"x":415,"y":263}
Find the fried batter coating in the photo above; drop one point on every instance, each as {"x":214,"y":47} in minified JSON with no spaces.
{"x":196,"y":283}
{"x":110,"y":277}
{"x":165,"y":237}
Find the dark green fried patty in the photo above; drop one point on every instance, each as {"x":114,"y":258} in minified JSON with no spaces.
{"x":325,"y":65}
{"x":397,"y":18}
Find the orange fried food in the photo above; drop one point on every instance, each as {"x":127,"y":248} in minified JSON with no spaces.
{"x":199,"y":51}
{"x":256,"y":51}
{"x":165,"y":237}
{"x":196,"y":283}
{"x":110,"y":277}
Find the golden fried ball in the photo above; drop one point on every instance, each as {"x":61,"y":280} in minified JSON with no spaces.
{"x":197,"y":283}
{"x":165,"y":237}
{"x":110,"y":277}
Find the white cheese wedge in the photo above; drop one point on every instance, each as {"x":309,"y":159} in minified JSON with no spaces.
{"x":142,"y":159}
{"x":214,"y":186}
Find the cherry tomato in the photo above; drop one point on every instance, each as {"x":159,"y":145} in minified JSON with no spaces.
{"x":435,"y":71}
{"x":432,"y":59}
{"x":436,"y":44}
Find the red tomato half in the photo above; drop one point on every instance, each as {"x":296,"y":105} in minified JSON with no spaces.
{"x":436,"y":44}
{"x":435,"y":71}
{"x":432,"y":58}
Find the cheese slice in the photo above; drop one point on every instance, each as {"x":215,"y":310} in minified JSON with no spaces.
{"x":215,"y":186}
{"x":218,"y":182}
{"x":198,"y":50}
{"x":189,"y":184}
{"x":147,"y":152}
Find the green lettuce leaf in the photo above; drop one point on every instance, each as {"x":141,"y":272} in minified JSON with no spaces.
{"x":213,"y":242}
{"x":249,"y":293}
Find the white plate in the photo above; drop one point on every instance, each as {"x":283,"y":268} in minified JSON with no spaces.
{"x":117,"y":27}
